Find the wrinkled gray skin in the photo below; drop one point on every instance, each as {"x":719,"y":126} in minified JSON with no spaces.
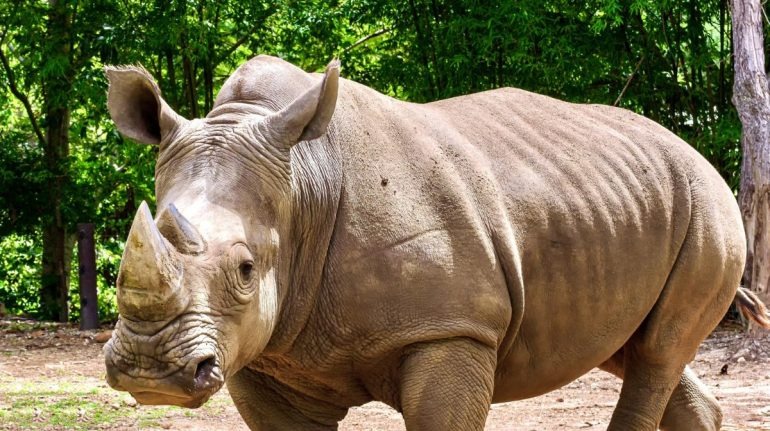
{"x":319,"y":245}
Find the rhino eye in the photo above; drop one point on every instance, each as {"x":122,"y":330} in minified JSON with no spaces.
{"x":245,"y":269}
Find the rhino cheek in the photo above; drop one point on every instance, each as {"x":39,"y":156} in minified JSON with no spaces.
{"x":253,"y":330}
{"x":268,"y":293}
{"x":268,"y":304}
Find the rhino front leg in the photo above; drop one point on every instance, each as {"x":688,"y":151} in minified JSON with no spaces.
{"x":267,"y":405}
{"x":447,"y":385}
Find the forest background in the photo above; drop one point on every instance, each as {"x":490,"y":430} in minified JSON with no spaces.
{"x":62,"y":161}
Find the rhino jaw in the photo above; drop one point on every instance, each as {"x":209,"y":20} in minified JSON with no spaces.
{"x":151,"y":272}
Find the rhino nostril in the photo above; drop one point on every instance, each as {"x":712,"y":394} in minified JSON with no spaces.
{"x":205,"y":368}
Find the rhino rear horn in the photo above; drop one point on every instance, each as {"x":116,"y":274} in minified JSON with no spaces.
{"x":180,"y":232}
{"x":150,"y":272}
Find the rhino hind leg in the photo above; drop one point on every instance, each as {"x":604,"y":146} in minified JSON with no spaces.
{"x":446,"y":385}
{"x":265,"y":404}
{"x":643,"y":397}
{"x":697,"y":293}
{"x":691,"y":405}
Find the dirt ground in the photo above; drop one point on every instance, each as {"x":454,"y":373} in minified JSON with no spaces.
{"x":52,"y":378}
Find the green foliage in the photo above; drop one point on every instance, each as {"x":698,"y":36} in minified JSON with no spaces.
{"x":667,"y":60}
{"x":22,"y":181}
{"x":19,"y":264}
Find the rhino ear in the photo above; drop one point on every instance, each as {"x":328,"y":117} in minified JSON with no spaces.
{"x":308,"y":116}
{"x":136,"y":107}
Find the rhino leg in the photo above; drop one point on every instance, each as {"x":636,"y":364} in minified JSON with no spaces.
{"x":699,"y":289}
{"x":447,"y":385}
{"x":265,"y":404}
{"x":691,"y":406}
{"x":643,"y":397}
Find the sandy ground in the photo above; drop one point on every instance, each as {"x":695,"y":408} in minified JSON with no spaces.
{"x":39,"y":367}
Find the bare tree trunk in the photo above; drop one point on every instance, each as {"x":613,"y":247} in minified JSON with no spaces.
{"x":751,"y":97}
{"x":57,"y":85}
{"x":171,"y":74}
{"x":422,"y":46}
{"x":189,"y":79}
{"x":722,"y":57}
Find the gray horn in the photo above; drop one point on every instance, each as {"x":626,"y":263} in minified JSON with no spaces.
{"x":180,"y":232}
{"x":150,"y":272}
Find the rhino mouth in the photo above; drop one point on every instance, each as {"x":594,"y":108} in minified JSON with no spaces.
{"x":156,"y":398}
{"x":190,"y":386}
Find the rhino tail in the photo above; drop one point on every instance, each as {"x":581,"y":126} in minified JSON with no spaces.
{"x":751,"y":307}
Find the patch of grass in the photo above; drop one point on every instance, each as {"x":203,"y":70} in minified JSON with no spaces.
{"x":72,"y":405}
{"x":23,"y":326}
{"x":30,"y":405}
{"x":151,"y":417}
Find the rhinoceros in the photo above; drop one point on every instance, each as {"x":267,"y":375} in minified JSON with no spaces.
{"x":319,"y":245}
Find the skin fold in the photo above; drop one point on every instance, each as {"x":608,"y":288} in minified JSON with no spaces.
{"x":319,"y":245}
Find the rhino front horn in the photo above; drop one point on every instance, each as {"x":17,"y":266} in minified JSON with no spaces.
{"x":180,"y":232}
{"x":150,"y":272}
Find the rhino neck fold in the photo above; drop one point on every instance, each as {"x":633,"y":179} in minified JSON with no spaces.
{"x":316,"y":193}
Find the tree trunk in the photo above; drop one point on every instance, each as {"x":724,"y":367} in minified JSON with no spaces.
{"x":752,"y":100}
{"x":422,"y":46}
{"x":171,"y":74}
{"x":57,"y":85}
{"x":189,"y":80}
{"x":722,"y":58}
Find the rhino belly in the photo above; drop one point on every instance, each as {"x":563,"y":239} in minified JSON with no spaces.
{"x":536,"y":366}
{"x":585,"y":295}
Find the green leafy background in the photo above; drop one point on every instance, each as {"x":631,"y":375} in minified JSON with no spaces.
{"x":670,"y":61}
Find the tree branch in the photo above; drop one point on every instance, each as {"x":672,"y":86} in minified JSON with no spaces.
{"x":232,"y":49}
{"x":364,"y":39}
{"x":226,"y":54}
{"x":628,"y":81}
{"x":21,"y":96}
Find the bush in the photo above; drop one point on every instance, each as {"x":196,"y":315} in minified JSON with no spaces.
{"x":20,"y":262}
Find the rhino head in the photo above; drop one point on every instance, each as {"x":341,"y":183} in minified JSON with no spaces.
{"x":200,"y":286}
